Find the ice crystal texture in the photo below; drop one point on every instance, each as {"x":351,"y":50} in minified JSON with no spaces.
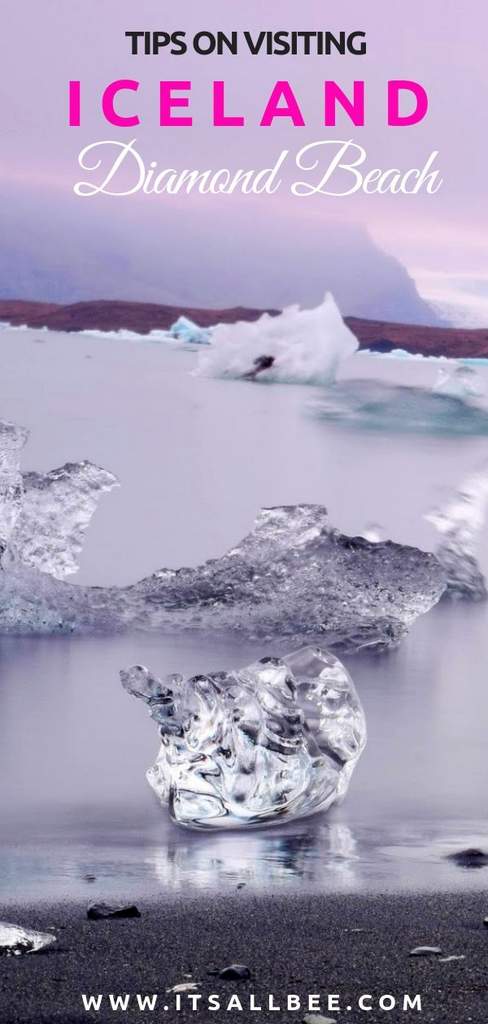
{"x":12,"y":440}
{"x":273,"y":741}
{"x":293,"y":578}
{"x":56,"y":510}
{"x":14,"y":940}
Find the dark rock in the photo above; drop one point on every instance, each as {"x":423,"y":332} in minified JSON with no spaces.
{"x":235,"y":972}
{"x":470,"y":858}
{"x":102,"y":911}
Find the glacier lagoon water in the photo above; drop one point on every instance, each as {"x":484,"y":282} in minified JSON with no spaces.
{"x":134,"y":410}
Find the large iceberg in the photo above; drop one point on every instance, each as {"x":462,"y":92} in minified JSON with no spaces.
{"x":273,"y":741}
{"x":307,"y":346}
{"x":294,"y":577}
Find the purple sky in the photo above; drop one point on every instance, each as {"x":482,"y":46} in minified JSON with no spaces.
{"x":437,"y":43}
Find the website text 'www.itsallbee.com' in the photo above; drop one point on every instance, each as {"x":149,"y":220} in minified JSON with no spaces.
{"x":251,"y":1002}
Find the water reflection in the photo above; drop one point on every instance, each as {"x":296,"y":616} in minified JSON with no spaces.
{"x":259,"y":859}
{"x":321,"y":855}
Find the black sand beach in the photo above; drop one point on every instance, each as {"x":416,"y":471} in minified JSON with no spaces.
{"x":323,"y":944}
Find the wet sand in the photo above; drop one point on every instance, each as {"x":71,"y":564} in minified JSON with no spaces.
{"x":322,"y":944}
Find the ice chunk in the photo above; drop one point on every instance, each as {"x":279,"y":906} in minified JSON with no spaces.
{"x":12,"y":440}
{"x":273,"y":741}
{"x":44,"y":516}
{"x":185,"y":330}
{"x":295,"y":576}
{"x":15,"y":940}
{"x":460,"y":381}
{"x":307,"y":345}
{"x":460,"y":522}
{"x":56,"y":510}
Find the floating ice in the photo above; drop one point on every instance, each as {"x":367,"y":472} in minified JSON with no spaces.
{"x":460,"y":522}
{"x":155,"y":336}
{"x":373,"y":405}
{"x":459,"y":381}
{"x":185,"y":330}
{"x":293,"y":576}
{"x":307,"y":345}
{"x":56,"y":510}
{"x":14,"y":940}
{"x":12,"y":440}
{"x":276,"y":740}
{"x":44,"y":516}
{"x":403,"y":353}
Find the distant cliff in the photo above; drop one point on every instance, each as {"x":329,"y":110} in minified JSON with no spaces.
{"x":142,"y":317}
{"x":256,"y":254}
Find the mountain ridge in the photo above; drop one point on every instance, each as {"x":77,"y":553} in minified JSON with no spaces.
{"x":143,"y":317}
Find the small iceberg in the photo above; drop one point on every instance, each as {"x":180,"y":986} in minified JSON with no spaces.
{"x":268,"y":743}
{"x":304,"y":346}
{"x":185,"y":330}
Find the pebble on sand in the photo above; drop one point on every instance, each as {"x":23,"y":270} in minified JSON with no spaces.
{"x":316,"y":1018}
{"x":235,"y":972}
{"x":103,"y":911}
{"x":184,"y":986}
{"x":425,"y":951}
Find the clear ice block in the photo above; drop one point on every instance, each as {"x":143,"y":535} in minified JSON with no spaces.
{"x":276,"y":740}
